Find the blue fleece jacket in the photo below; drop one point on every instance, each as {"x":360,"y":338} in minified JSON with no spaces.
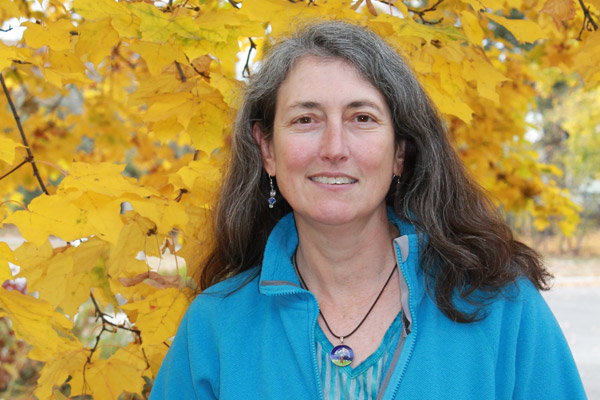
{"x":259,"y":341}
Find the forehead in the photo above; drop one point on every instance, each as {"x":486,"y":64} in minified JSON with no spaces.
{"x":320,"y":79}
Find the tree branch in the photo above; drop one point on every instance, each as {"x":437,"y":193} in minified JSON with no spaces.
{"x":108,"y":326}
{"x":588,"y":22}
{"x":246,"y":70}
{"x":23,"y":137}
{"x":421,"y":13}
{"x":25,"y":161}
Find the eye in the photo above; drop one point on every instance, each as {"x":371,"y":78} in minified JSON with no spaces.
{"x":364,"y":118}
{"x":303,"y":120}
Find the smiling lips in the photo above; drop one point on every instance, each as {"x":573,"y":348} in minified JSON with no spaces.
{"x":333,"y":180}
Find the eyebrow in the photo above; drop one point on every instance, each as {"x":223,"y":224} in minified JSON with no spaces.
{"x":353,"y":104}
{"x":364,"y":103}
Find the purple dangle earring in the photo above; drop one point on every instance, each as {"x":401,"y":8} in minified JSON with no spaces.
{"x":272,"y":193}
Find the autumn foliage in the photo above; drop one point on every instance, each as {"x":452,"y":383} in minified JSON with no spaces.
{"x":115,"y":124}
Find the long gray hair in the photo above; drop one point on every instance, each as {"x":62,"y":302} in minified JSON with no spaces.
{"x":469,"y":247}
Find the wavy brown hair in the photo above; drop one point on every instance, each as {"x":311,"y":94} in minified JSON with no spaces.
{"x":469,"y":248}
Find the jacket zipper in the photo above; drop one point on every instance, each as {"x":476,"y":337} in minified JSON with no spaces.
{"x":313,"y":344}
{"x":413,"y":330}
{"x":313,"y":347}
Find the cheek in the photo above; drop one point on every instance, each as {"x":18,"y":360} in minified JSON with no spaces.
{"x":293,"y":158}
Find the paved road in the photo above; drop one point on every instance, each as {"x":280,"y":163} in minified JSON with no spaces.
{"x":577,"y":309}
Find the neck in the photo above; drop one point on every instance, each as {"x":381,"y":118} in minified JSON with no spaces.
{"x":350,"y":261}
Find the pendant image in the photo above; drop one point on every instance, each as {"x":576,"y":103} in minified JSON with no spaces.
{"x":342,"y":355}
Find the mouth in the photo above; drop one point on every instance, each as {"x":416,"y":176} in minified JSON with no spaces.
{"x":333,"y":180}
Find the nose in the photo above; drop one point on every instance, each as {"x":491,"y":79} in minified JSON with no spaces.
{"x":334,"y":143}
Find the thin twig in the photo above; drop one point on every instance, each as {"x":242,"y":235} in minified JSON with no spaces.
{"x":246,"y":70}
{"x":421,"y":13}
{"x":588,"y":22}
{"x":180,"y":195}
{"x":236,"y":4}
{"x":108,"y":326}
{"x":180,"y":72}
{"x":25,"y":161}
{"x":23,"y":137}
{"x":116,"y":53}
{"x":202,"y":74}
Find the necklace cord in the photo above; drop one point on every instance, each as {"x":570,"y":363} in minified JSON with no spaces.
{"x":323,"y":316}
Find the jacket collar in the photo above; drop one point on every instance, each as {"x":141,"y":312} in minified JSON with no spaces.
{"x":278,"y":276}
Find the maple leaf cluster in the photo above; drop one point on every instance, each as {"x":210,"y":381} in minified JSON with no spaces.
{"x":117,"y":122}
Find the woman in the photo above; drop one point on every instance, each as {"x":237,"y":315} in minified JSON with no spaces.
{"x":354,"y":257}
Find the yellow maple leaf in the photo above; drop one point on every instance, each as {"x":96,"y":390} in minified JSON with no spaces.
{"x":58,"y":369}
{"x":155,"y":354}
{"x":524,"y":30}
{"x":103,"y":178}
{"x":6,"y":256}
{"x":102,"y":214}
{"x":64,"y":66}
{"x":201,"y":175}
{"x":65,"y":275}
{"x":158,"y":315}
{"x":447,"y":104}
{"x":56,"y":35}
{"x":159,"y":55}
{"x":560,"y":10}
{"x":587,"y":59}
{"x":121,"y":18}
{"x":7,"y":54}
{"x":96,"y":40}
{"x":7,"y":149}
{"x":471,"y":27}
{"x":165,"y":214}
{"x":51,"y":215}
{"x":158,"y":26}
{"x":9,"y":10}
{"x":167,"y":129}
{"x":36,"y":322}
{"x":206,"y":127}
{"x":109,"y":378}
{"x":486,"y":76}
{"x":231,"y":89}
{"x":122,"y":258}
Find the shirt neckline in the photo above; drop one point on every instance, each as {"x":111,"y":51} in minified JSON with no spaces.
{"x":387,"y":341}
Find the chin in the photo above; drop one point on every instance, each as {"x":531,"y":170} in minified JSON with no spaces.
{"x":332,"y":215}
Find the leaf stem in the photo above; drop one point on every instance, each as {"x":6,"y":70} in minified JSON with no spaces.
{"x":23,"y":137}
{"x":180,"y":71}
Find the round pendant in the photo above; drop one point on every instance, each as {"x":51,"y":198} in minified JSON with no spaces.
{"x":342,"y":355}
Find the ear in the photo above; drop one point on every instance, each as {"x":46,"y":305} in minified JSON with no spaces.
{"x":266,"y":149}
{"x":399,"y":157}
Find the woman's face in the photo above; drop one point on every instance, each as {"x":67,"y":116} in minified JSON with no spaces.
{"x":333,"y":150}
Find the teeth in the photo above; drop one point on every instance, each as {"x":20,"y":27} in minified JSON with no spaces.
{"x":338,"y":180}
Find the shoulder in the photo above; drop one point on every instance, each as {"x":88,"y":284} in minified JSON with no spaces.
{"x":232,"y":294}
{"x":519,"y":322}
